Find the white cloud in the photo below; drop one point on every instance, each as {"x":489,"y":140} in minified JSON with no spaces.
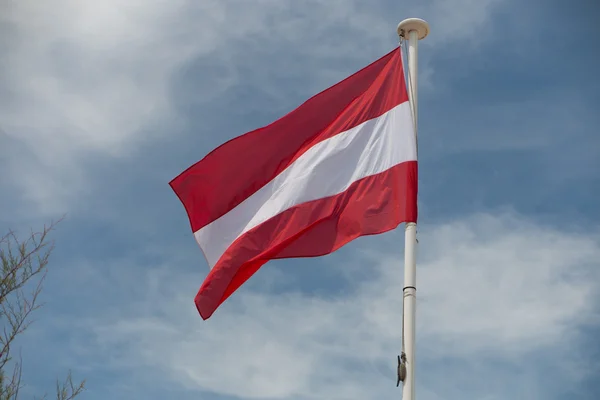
{"x":492,"y":289}
{"x":85,"y":78}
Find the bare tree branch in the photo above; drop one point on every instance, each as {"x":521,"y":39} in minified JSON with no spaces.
{"x":68,"y":390}
{"x":23,"y":265}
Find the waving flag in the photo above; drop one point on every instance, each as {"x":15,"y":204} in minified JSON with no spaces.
{"x":340,"y":166}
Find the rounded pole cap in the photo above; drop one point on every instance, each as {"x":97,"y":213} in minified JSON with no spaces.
{"x":413,"y":24}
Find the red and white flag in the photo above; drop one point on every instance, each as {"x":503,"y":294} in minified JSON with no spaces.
{"x":340,"y":166}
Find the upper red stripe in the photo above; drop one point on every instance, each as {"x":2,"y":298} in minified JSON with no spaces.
{"x":372,"y":205}
{"x":237,"y":169}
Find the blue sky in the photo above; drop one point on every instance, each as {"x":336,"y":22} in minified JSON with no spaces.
{"x":104,"y":102}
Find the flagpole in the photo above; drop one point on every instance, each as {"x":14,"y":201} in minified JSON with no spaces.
{"x":413,"y":30}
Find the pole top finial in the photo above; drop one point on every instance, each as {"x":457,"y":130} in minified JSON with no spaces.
{"x":413,"y":24}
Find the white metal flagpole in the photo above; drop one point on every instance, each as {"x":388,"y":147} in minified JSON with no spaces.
{"x":413,"y":30}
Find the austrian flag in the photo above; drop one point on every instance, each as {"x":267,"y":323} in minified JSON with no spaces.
{"x":341,"y":165}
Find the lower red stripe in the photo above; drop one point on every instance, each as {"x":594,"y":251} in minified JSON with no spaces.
{"x":372,"y":205}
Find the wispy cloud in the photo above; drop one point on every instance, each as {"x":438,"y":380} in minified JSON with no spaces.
{"x":85,"y":79}
{"x":496,"y":288}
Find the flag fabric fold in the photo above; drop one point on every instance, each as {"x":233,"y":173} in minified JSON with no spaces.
{"x":340,"y":166}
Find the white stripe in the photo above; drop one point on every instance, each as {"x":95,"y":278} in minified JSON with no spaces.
{"x":326,"y":169}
